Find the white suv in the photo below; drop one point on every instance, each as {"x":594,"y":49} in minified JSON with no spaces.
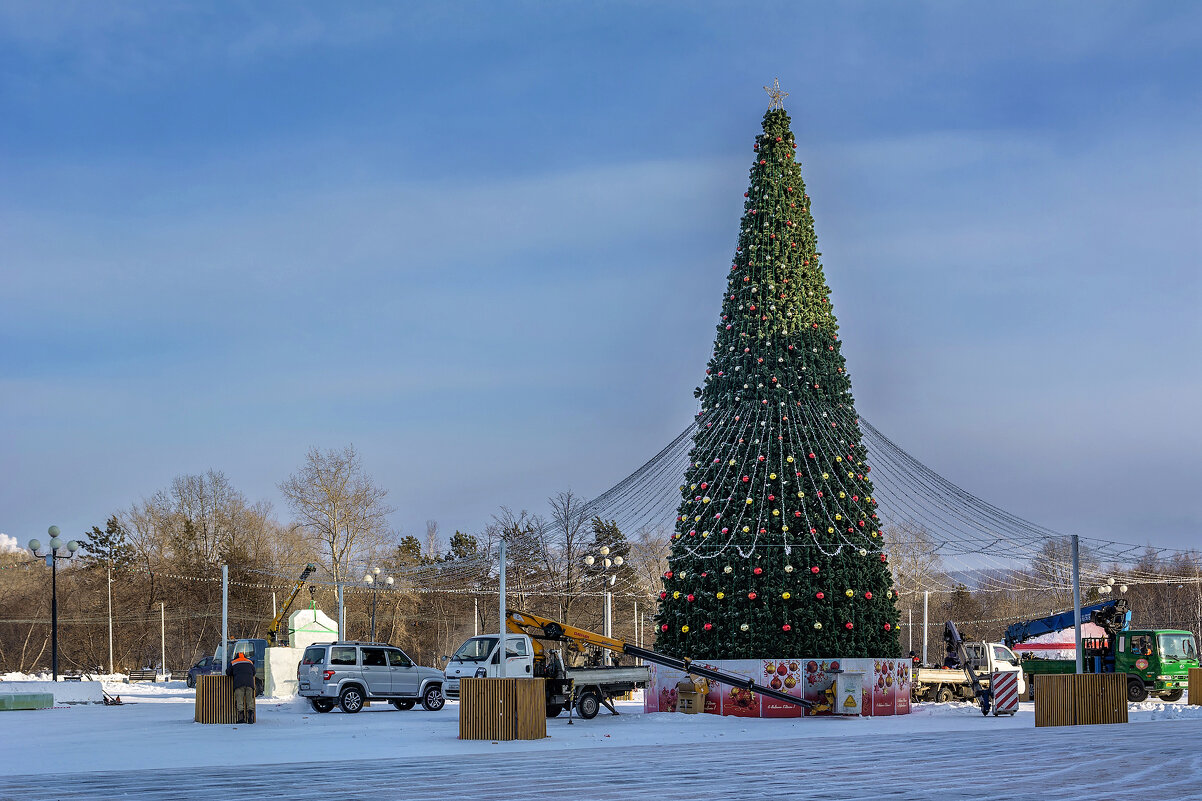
{"x":352,"y":673}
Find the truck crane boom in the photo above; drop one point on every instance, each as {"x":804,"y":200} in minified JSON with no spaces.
{"x":273,"y":631}
{"x":544,"y":628}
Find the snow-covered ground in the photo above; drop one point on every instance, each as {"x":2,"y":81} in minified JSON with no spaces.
{"x":141,"y":743}
{"x":155,"y":730}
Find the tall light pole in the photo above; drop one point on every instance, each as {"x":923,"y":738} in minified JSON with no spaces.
{"x":603,"y":566}
{"x":52,"y":556}
{"x":372,"y":579}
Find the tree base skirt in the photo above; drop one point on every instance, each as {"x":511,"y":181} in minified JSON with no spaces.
{"x":886,"y":686}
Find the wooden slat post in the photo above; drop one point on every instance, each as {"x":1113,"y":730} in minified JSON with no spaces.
{"x":502,"y":709}
{"x":1195,"y":686}
{"x":214,"y":699}
{"x":1081,"y":700}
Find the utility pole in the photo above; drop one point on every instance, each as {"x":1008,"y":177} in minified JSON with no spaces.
{"x":502,"y":658}
{"x":163,"y":637}
{"x":1077,"y":605}
{"x":926,"y":597}
{"x":475,"y":617}
{"x":225,"y":615}
{"x":910,"y":628}
{"x":341,"y":615}
{"x":109,"y":575}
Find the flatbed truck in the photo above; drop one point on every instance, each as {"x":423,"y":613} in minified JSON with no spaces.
{"x":583,"y":689}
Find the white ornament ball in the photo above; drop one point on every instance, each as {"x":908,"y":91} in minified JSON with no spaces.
{"x":744,"y":627}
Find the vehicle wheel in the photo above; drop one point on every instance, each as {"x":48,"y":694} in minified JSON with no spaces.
{"x":432,"y":699}
{"x":1136,"y":691}
{"x":588,"y":705}
{"x":402,"y":705}
{"x":944,"y":694}
{"x":1175,"y":695}
{"x":322,"y":704}
{"x":553,"y":710}
{"x":351,"y":699}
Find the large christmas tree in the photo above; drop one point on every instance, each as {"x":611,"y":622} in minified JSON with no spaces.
{"x":777,"y":549}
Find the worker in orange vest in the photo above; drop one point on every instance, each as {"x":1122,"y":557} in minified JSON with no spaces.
{"x":242,"y":671}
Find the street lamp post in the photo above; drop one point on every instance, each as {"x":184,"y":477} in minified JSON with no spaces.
{"x":52,"y":556}
{"x":371,"y":580}
{"x":603,"y":565}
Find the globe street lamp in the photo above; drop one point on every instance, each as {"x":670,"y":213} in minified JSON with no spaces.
{"x":372,"y":580}
{"x":52,"y":556}
{"x":603,"y":566}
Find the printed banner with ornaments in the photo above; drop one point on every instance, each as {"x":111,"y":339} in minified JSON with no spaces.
{"x":886,"y":686}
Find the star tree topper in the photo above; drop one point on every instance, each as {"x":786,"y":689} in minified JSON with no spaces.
{"x":775,"y":95}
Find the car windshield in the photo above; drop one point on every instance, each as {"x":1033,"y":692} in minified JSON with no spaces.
{"x":475,"y":649}
{"x":1178,"y":646}
{"x":313,"y":656}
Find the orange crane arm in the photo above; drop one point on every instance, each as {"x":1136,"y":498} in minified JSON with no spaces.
{"x":273,"y":631}
{"x":545,"y":628}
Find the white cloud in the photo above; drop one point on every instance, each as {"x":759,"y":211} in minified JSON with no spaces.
{"x":9,"y":544}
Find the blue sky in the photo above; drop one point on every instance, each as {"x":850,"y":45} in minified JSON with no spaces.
{"x":486,"y":243}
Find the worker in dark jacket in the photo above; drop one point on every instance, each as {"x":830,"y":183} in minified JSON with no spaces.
{"x":242,"y":671}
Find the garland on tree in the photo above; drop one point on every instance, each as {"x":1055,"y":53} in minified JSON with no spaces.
{"x":777,"y":548}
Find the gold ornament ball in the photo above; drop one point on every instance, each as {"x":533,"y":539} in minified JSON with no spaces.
{"x":848,"y":593}
{"x":684,"y":629}
{"x":772,"y":475}
{"x":786,"y":595}
{"x":676,"y":595}
{"x":720,"y":596}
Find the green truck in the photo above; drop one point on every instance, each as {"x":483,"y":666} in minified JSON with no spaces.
{"x":1156,"y":661}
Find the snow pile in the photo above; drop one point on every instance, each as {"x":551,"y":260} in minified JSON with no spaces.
{"x":1163,"y":710}
{"x":64,"y":692}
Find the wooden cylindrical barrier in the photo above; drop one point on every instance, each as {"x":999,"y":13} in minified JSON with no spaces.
{"x":1081,"y":699}
{"x":214,"y":699}
{"x":1195,"y":686}
{"x":502,"y":709}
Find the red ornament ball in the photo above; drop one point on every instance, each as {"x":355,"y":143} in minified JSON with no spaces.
{"x":664,"y":627}
{"x":817,"y":595}
{"x":888,"y":627}
{"x":690,"y":597}
{"x":786,"y":627}
{"x":751,"y":596}
{"x":663,"y":595}
{"x":758,"y":570}
{"x":668,"y":574}
{"x":814,"y":569}
{"x":848,"y":625}
{"x":868,"y":595}
{"x":708,"y":626}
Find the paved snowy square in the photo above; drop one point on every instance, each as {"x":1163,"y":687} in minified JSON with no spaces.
{"x":151,"y":749}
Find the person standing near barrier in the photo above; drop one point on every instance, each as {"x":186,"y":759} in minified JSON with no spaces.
{"x":242,"y":674}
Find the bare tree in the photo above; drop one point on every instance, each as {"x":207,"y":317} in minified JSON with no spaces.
{"x":433,"y":541}
{"x":338,"y":505}
{"x":563,"y":544}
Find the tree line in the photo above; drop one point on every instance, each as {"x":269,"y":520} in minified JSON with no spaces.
{"x":1164,"y":590}
{"x":161,"y":558}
